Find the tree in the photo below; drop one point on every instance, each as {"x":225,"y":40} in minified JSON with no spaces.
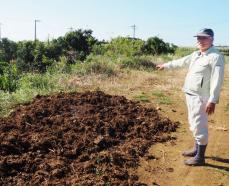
{"x":55,"y":48}
{"x":25,"y":55}
{"x":81,"y":42}
{"x":157,"y":46}
{"x":7,"y":50}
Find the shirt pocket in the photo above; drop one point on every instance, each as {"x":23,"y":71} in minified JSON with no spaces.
{"x":202,"y":67}
{"x":194,"y":82}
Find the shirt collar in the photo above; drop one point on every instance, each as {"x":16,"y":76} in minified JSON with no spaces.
{"x":208,"y":50}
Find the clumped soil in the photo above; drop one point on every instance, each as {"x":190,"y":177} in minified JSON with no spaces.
{"x":86,"y":138}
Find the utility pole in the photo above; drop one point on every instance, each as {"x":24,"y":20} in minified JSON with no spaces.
{"x":0,"y":31}
{"x":71,"y":29}
{"x":35,"y":37}
{"x":134,"y":28}
{"x":48,"y":38}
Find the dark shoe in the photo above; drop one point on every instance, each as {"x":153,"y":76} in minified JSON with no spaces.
{"x":191,"y":152}
{"x":199,"y":158}
{"x":194,"y":162}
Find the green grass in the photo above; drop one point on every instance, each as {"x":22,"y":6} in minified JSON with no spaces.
{"x":162,"y":98}
{"x":31,"y":85}
{"x":142,"y":97}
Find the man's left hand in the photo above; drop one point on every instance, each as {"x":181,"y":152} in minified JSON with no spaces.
{"x":210,"y":108}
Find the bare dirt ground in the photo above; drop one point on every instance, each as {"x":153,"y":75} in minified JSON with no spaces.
{"x":168,"y":167}
{"x":162,"y":165}
{"x":86,"y":138}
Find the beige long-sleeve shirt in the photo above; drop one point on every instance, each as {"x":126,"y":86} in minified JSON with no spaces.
{"x":205,"y":74}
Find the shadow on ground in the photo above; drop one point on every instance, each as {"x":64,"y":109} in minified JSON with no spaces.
{"x":218,"y":159}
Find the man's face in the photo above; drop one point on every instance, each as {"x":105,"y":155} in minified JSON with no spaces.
{"x":204,"y":42}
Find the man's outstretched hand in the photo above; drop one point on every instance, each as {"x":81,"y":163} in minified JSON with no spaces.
{"x":160,"y":67}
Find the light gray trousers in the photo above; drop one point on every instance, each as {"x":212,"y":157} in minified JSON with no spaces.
{"x":198,"y":118}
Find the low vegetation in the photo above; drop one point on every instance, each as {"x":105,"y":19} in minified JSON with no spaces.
{"x":29,"y":68}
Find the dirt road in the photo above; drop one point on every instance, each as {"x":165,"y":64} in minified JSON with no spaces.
{"x":168,"y":168}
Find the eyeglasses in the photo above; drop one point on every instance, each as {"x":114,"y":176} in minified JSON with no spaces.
{"x":202,"y":38}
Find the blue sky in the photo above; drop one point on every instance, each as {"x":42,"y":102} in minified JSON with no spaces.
{"x":175,"y":21}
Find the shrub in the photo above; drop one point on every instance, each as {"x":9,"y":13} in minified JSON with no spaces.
{"x":7,"y":50}
{"x":25,"y":56}
{"x":37,"y":82}
{"x":157,"y":46}
{"x":123,"y":46}
{"x":8,"y":77}
{"x":139,"y":63}
{"x":98,"y":65}
{"x":184,"y":51}
{"x":224,"y":50}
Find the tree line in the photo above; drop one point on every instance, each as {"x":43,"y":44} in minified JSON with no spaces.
{"x":74,"y":46}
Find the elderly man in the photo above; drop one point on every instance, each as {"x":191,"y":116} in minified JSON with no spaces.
{"x":202,"y":88}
